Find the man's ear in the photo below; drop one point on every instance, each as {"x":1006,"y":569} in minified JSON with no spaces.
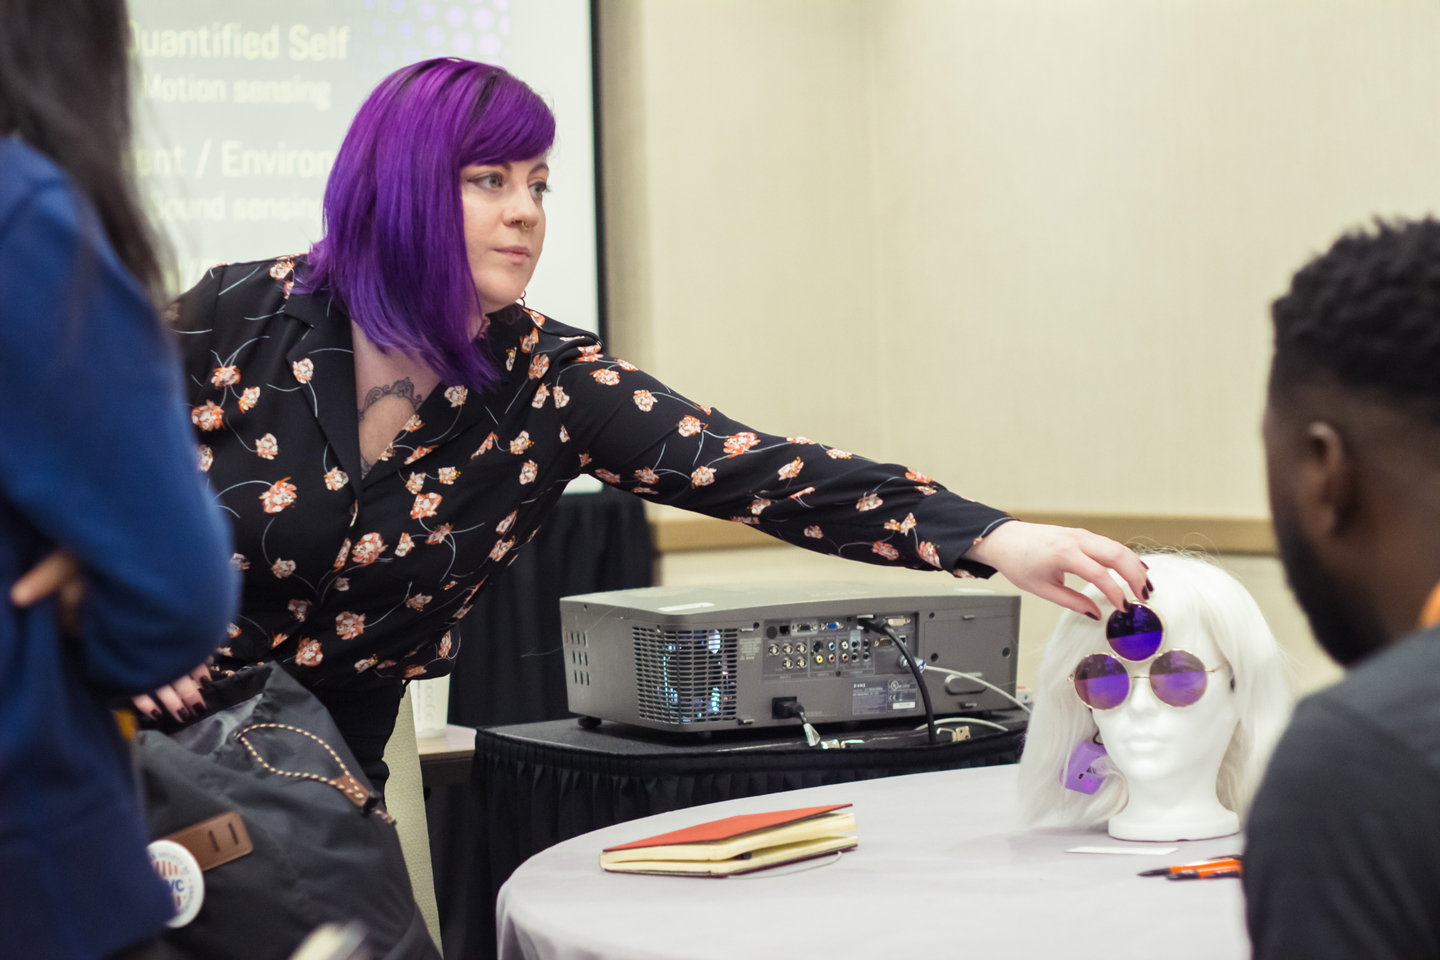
{"x":1326,"y":496}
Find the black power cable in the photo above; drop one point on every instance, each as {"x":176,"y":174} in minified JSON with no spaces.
{"x":879,"y":626}
{"x":783,"y":707}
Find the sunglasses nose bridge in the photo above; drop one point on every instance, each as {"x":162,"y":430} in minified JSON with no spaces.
{"x":1142,"y":699}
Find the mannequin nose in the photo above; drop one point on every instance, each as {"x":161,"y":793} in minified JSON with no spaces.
{"x":1142,"y":700}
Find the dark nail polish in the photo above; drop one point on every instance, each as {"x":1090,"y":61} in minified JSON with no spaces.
{"x":1093,"y":616}
{"x":155,"y":715}
{"x":1144,"y":564}
{"x":1149,"y":587}
{"x":184,"y":713}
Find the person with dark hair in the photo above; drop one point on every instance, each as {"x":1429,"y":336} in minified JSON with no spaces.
{"x":386,"y":425}
{"x":113,"y":559}
{"x":1343,"y":858}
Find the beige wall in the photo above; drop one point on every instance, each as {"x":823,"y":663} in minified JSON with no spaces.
{"x":1026,"y":247}
{"x":739,"y":245}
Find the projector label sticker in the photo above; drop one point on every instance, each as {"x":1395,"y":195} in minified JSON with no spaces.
{"x":882,"y":696}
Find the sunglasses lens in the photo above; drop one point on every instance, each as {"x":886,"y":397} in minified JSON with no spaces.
{"x":1178,"y":678}
{"x":1102,"y":682}
{"x":1135,"y":633}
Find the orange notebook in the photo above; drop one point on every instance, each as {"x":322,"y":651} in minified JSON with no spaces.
{"x":737,"y":844}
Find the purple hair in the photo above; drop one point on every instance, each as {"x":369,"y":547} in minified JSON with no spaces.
{"x":393,"y":254}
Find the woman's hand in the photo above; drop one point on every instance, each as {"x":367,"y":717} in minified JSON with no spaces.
{"x":182,"y":698}
{"x":58,"y":575}
{"x":1036,"y":556}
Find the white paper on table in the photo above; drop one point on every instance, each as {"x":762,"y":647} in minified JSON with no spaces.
{"x":1132,"y":851}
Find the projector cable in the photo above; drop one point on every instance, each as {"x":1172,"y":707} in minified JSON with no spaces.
{"x":787,"y":708}
{"x":976,"y":678}
{"x":880,"y":626}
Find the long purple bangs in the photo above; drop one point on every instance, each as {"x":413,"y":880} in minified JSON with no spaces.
{"x":393,"y":253}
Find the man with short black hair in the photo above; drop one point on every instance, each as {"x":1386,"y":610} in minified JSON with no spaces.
{"x":1343,"y":858}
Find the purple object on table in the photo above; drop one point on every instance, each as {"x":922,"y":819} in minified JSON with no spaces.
{"x":1080,"y":774}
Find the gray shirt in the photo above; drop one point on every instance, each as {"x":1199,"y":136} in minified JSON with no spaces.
{"x":1343,"y":858}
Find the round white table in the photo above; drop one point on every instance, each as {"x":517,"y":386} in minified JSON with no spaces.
{"x":942,"y":869}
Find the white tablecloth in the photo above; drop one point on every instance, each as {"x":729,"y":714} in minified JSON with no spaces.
{"x":942,"y":870}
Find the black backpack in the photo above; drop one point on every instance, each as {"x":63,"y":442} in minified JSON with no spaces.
{"x":321,"y":846}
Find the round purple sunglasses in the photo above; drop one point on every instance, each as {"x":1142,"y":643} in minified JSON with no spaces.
{"x":1136,"y":633}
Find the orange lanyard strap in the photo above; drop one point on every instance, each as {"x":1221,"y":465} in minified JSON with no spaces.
{"x":345,"y":783}
{"x":1430,"y":615}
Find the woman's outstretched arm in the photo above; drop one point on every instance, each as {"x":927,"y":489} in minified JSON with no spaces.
{"x":645,"y":438}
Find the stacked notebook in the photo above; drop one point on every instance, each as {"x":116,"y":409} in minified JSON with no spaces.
{"x":736,"y":845}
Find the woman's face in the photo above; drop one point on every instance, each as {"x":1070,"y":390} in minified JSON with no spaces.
{"x":504,"y":226}
{"x":1151,"y":741}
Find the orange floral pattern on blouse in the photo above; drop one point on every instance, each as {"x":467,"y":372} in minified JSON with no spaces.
{"x":280,"y":495}
{"x":208,"y":417}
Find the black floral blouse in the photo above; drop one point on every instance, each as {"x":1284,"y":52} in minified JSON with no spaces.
{"x":349,"y":581}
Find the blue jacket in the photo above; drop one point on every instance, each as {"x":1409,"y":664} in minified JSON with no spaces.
{"x":95,"y":456}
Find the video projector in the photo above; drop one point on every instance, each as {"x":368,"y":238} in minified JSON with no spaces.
{"x":693,"y":659}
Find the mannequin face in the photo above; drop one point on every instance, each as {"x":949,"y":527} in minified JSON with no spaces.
{"x":1152,"y":742}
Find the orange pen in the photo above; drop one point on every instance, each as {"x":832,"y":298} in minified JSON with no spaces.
{"x":1195,"y":871}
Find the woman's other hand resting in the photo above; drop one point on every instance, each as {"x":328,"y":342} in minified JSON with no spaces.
{"x":1036,"y":556}
{"x":60,"y":575}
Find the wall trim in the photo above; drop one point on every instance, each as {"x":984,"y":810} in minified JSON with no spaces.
{"x":688,"y":532}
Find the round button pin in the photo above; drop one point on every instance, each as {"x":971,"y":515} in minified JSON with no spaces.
{"x":181,"y":872}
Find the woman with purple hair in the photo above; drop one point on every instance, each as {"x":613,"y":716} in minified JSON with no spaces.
{"x":386,"y":426}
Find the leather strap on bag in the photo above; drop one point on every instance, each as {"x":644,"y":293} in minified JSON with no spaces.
{"x":346,"y":783}
{"x":1430,"y":616}
{"x":215,"y":841}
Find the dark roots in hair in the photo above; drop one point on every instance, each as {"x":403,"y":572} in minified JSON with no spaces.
{"x":1365,"y":316}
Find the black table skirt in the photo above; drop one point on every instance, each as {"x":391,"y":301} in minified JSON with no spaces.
{"x":511,"y":668}
{"x":516,"y":674}
{"x":535,"y":785}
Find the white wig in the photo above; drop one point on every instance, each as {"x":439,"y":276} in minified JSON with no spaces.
{"x":1191,"y":594}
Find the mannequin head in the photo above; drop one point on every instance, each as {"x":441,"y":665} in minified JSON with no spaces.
{"x":1171,"y":772}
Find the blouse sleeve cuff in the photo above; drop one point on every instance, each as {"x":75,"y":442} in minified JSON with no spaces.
{"x":966,"y":569}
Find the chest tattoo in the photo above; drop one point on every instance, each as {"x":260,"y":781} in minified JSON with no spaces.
{"x":402,"y":388}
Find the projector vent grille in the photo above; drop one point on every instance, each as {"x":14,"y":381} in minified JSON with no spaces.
{"x":579,"y":644}
{"x":685,"y":676}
